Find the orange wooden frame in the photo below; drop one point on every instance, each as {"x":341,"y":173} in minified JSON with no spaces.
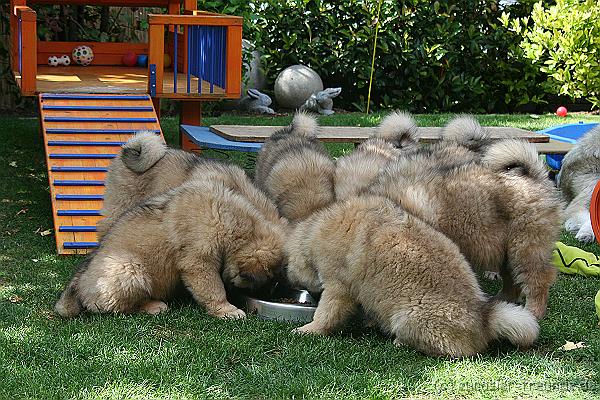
{"x":233,"y":52}
{"x":104,"y":53}
{"x":28,"y":49}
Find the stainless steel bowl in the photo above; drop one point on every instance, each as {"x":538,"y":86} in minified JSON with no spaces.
{"x":285,"y":304}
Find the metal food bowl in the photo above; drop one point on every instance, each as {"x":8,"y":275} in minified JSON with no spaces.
{"x":280,"y":303}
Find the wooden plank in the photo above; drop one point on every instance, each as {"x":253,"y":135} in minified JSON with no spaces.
{"x":156,"y":54}
{"x":212,"y":20}
{"x":104,"y":53}
{"x":118,"y":80}
{"x":28,"y":49}
{"x":234,"y":61}
{"x":359,"y":134}
{"x":85,"y":203}
{"x":553,"y":147}
{"x":116,"y":3}
{"x":14,"y":32}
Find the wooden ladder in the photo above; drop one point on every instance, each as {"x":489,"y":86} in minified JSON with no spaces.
{"x":82,"y":134}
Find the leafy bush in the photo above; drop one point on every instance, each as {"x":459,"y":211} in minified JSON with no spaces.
{"x":563,"y":40}
{"x":431,"y":56}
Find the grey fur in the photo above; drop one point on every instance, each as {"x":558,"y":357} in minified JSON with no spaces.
{"x":354,"y":172}
{"x":579,"y":174}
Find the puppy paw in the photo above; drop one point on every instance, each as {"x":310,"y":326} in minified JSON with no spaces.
{"x":575,"y":222}
{"x":572,"y":225}
{"x":154,"y":307}
{"x":492,"y":276}
{"x":230,"y":312}
{"x":586,"y":233}
{"x":309,"y":329}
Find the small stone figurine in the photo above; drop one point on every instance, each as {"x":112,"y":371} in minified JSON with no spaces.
{"x":257,"y":102}
{"x":321,"y":102}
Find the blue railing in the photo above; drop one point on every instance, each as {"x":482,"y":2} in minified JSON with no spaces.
{"x":206,"y":53}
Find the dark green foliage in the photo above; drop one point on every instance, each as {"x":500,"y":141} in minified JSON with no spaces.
{"x":431,"y":56}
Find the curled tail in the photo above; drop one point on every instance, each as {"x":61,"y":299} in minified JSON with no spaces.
{"x":465,"y":130}
{"x":398,"y":128}
{"x":142,"y":151}
{"x":512,"y":322}
{"x":304,"y":124}
{"x":514,"y":156}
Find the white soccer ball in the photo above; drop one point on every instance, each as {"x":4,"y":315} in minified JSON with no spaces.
{"x":53,"y":61}
{"x":64,"y":60}
{"x":83,"y":55}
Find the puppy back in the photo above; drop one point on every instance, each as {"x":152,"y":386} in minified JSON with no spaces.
{"x":142,"y":151}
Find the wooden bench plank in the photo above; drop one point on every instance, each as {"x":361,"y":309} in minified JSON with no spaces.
{"x":353,"y":134}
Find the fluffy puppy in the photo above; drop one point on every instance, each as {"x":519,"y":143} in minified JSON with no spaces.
{"x":295,"y":170}
{"x":579,"y":174}
{"x":407,"y":277}
{"x":503,"y":212}
{"x":354,"y":172}
{"x":204,"y":235}
{"x":146,"y":167}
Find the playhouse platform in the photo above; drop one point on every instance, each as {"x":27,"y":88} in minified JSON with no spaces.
{"x":114,"y":79}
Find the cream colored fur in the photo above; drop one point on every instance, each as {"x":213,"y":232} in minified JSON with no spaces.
{"x":295,"y":170}
{"x":203,"y":233}
{"x":504,"y":217}
{"x":409,"y":278}
{"x":128,"y":183}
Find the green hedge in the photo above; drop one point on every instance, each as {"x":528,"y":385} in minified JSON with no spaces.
{"x":431,"y":56}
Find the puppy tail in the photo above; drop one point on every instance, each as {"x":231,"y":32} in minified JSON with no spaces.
{"x":512,"y":322}
{"x":305,"y":125}
{"x":142,"y":151}
{"x":465,"y":130}
{"x":514,"y":156}
{"x":398,"y":128}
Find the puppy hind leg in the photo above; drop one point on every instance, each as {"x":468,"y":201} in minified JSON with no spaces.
{"x":533,"y":274}
{"x":69,"y":305}
{"x":203,"y":280}
{"x":335,"y":307}
{"x":429,"y":335}
{"x":115,"y":282}
{"x":510,"y":291}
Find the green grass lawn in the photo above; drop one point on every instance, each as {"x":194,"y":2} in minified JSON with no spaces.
{"x":186,"y":354}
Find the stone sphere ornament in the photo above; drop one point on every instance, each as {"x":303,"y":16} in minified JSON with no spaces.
{"x":294,"y":85}
{"x":83,"y":55}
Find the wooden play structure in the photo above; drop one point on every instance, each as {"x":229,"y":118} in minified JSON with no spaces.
{"x":87,"y":113}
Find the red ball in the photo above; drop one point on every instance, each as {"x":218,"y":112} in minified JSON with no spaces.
{"x":561,"y":111}
{"x":129,"y":59}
